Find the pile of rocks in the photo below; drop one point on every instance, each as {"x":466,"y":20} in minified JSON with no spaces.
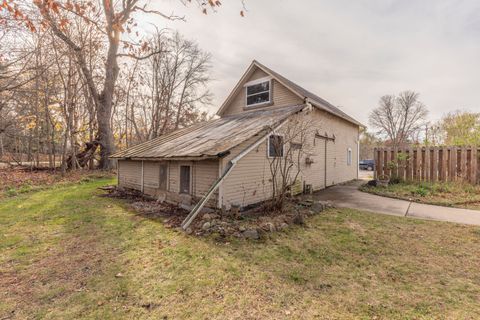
{"x":254,"y":227}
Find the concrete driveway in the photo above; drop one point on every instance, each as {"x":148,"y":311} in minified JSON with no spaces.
{"x":348,"y":196}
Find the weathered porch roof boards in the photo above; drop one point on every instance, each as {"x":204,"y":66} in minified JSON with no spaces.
{"x":295,"y":88}
{"x":210,"y":139}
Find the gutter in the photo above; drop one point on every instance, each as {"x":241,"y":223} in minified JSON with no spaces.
{"x":228,"y":169}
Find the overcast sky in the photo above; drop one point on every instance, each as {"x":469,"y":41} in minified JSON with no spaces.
{"x":348,"y":52}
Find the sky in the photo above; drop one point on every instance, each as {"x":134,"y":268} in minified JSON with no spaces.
{"x":348,"y":52}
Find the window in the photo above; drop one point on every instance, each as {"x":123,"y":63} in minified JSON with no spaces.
{"x":185,"y":179}
{"x":349,"y":156}
{"x":275,"y":146}
{"x":163,"y":176}
{"x":258,"y":93}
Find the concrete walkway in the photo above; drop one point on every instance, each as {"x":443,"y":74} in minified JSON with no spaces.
{"x":348,"y":196}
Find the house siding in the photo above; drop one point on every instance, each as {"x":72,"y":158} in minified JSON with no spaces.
{"x":204,"y":173}
{"x":250,"y":181}
{"x":130,"y":174}
{"x":281,"y":96}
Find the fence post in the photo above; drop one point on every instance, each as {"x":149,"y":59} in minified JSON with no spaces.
{"x":402,"y":163}
{"x":435,"y":160}
{"x":410,"y":164}
{"x":444,"y":171}
{"x":426,"y":168}
{"x":379,"y":167}
{"x":453,"y":164}
{"x":474,"y":165}
{"x":463,"y":163}
{"x":419,"y":164}
{"x":386,"y":168}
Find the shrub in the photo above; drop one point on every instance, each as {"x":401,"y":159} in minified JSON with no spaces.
{"x":11,"y":192}
{"x":420,"y":191}
{"x":395,"y":180}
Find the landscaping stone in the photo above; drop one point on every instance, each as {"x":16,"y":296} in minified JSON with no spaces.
{"x":283,"y":226}
{"x":206,"y":226}
{"x":299,"y":220}
{"x":251,"y":234}
{"x":326,"y":204}
{"x":210,"y":216}
{"x":318,"y":206}
{"x":269,"y":226}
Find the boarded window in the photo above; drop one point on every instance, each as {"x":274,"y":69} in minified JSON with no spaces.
{"x":275,"y":146}
{"x":185,"y":179}
{"x":163,"y":176}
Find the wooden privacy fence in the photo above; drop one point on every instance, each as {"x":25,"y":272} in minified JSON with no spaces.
{"x":429,"y":163}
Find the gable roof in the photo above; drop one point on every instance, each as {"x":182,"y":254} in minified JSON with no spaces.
{"x":295,"y":88}
{"x":210,"y":139}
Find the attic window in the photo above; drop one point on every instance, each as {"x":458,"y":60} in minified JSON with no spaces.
{"x":258,"y":93}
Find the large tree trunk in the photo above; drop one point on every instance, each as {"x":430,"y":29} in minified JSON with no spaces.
{"x":105,"y":136}
{"x":104,"y":111}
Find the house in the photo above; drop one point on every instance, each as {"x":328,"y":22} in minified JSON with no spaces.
{"x":225,"y":161}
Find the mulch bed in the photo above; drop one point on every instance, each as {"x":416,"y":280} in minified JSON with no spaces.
{"x":254,"y":223}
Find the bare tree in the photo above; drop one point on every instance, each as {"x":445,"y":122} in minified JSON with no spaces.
{"x":288,"y":148}
{"x":399,"y":118}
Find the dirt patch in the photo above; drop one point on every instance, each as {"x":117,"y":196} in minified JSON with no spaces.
{"x":253,"y":223}
{"x":61,"y":272}
{"x":16,"y":180}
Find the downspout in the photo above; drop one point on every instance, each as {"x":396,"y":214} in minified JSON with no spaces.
{"x":358,"y":157}
{"x":228,"y":169}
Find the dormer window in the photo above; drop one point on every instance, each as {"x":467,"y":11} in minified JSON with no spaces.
{"x":258,"y":92}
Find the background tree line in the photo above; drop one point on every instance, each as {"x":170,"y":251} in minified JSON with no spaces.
{"x":78,"y":79}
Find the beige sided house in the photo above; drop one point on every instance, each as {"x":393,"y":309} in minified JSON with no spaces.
{"x":225,"y":161}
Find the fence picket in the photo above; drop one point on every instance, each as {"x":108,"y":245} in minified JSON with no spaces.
{"x":430,"y":163}
{"x":453,"y":163}
{"x":434,"y":165}
{"x":474,"y":166}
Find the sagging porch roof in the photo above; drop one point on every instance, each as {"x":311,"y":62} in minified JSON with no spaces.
{"x":210,"y":139}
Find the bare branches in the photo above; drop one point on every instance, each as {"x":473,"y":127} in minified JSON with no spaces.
{"x":399,"y":118}
{"x":288,"y":148}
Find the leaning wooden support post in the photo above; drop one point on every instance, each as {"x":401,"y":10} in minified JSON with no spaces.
{"x":232,"y":163}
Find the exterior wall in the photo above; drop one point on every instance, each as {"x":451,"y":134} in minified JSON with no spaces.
{"x":346,"y":136}
{"x":129,"y":174}
{"x":250,"y":181}
{"x":281,"y":96}
{"x":203,"y":175}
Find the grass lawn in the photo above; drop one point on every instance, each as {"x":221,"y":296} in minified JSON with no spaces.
{"x":462,"y":195}
{"x":66,"y":253}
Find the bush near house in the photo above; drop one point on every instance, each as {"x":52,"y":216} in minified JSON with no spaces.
{"x":452,"y":194}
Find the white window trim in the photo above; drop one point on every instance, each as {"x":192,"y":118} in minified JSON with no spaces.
{"x":349,"y":157}
{"x":257,"y":81}
{"x":254,"y":82}
{"x":268,"y":145}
